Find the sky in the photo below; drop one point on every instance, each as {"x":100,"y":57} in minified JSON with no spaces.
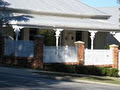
{"x":101,"y":3}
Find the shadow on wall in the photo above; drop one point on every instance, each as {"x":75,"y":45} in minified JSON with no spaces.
{"x":6,"y":16}
{"x":112,"y":40}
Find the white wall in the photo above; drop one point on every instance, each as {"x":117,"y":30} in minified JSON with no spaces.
{"x":70,"y":34}
{"x":67,"y":38}
{"x":26,"y":33}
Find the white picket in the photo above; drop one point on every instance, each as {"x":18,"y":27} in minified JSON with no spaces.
{"x":98,"y":57}
{"x":61,"y":55}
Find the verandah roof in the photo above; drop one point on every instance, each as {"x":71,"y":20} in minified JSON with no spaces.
{"x":67,"y":23}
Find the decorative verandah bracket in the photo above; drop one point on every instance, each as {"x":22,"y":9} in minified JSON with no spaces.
{"x":57,"y":34}
{"x":16,"y":29}
{"x":92,"y":36}
{"x":113,"y":33}
{"x":17,"y":32}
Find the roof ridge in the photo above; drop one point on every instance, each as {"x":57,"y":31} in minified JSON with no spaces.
{"x":91,"y":7}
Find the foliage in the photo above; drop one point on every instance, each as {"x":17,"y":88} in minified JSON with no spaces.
{"x":107,"y":46}
{"x":49,"y":37}
{"x":89,"y":70}
{"x":112,"y":72}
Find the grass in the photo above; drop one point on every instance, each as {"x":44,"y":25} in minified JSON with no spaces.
{"x":101,"y":79}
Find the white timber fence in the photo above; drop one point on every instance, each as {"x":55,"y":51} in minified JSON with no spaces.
{"x":63,"y":54}
{"x":19,"y":48}
{"x":98,"y":57}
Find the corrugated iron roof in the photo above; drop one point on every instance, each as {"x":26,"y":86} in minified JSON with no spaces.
{"x":54,"y":6}
{"x":114,"y":12}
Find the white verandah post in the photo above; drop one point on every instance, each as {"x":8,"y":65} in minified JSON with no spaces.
{"x":57,"y":34}
{"x":92,"y":36}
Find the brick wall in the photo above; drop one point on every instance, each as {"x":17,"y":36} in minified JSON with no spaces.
{"x":114,"y":49}
{"x":80,"y":52}
{"x":38,"y":52}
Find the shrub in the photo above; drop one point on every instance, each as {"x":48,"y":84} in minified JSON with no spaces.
{"x":113,"y":72}
{"x":90,"y":70}
{"x":103,"y":70}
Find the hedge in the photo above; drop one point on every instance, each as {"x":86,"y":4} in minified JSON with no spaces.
{"x":89,"y":70}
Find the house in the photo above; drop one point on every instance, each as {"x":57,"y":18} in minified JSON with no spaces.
{"x":73,"y":20}
{"x":70,"y":20}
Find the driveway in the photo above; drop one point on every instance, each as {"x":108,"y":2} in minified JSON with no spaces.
{"x":24,"y":79}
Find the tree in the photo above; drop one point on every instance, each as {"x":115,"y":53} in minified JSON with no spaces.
{"x":49,"y":37}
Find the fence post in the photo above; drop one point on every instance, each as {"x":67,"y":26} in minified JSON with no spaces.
{"x":38,"y":52}
{"x":114,"y":49}
{"x":80,"y":52}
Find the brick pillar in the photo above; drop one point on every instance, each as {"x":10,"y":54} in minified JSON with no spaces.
{"x":38,"y":52}
{"x":114,"y":49}
{"x":80,"y":52}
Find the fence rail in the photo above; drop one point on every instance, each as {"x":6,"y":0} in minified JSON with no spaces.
{"x":61,"y":55}
{"x":98,"y":57}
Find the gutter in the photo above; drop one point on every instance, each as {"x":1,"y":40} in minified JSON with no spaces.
{"x":69,"y":28}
